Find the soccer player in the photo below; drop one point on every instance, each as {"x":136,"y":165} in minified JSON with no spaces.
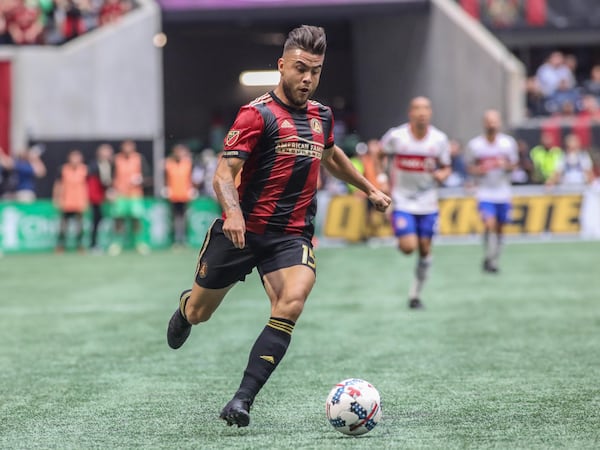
{"x":280,"y":140}
{"x":419,"y":160}
{"x":491,"y":157}
{"x":179,"y":189}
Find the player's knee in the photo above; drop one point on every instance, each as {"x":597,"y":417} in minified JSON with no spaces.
{"x":290,"y":308}
{"x":407,"y":249}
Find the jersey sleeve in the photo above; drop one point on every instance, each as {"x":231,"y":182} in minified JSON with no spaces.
{"x":244,"y":133}
{"x":586,"y":161}
{"x":513,"y":155}
{"x":470,"y":153}
{"x":330,"y":140}
{"x":387,"y":143}
{"x":444,"y":157}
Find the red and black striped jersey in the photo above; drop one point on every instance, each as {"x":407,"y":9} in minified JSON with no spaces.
{"x":282,"y":147}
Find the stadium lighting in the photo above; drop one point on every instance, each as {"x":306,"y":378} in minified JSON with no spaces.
{"x":259,"y":78}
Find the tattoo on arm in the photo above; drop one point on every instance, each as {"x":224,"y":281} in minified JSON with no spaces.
{"x":228,"y":195}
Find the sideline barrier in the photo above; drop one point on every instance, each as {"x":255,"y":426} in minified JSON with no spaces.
{"x":535,"y":211}
{"x":33,"y":227}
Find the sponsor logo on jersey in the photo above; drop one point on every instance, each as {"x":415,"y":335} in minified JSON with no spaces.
{"x":232,"y":137}
{"x":316,"y":126}
{"x":286,"y":124}
{"x":415,"y":163}
{"x":296,"y":145}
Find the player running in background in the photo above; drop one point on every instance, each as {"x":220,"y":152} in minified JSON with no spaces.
{"x":280,"y":140}
{"x":419,"y":160}
{"x":491,"y":157}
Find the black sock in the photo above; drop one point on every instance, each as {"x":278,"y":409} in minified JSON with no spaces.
{"x":267,"y":352}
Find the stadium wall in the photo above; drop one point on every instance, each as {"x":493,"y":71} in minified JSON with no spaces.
{"x":105,"y":85}
{"x":445,"y":55}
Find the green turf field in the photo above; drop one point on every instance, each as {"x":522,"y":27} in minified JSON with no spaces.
{"x":508,"y":361}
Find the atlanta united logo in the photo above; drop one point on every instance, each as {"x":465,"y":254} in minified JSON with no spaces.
{"x":203,"y":271}
{"x":316,"y":126}
{"x":232,"y":137}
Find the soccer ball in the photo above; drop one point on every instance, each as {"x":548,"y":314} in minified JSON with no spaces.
{"x":353,"y":407}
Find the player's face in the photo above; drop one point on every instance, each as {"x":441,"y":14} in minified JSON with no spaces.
{"x":492,"y":122}
{"x":300,"y":74}
{"x":75,"y":158}
{"x":420,"y":112}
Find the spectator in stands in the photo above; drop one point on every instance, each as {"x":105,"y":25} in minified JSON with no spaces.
{"x":545,"y":157}
{"x":590,"y":108}
{"x":28,"y":166}
{"x":131,"y":175}
{"x":523,"y":173}
{"x":592,"y":86}
{"x":70,"y":195}
{"x":534,"y":98}
{"x":24,"y":24}
{"x":575,"y":167}
{"x":100,"y":179}
{"x":564,"y":101}
{"x":179,"y":189}
{"x":112,"y":10}
{"x":6,"y":165}
{"x":550,"y":74}
{"x":4,"y":34}
{"x":72,"y":23}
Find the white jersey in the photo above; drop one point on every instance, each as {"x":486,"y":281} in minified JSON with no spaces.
{"x":494,"y":185}
{"x":414,"y":190}
{"x":574,"y":167}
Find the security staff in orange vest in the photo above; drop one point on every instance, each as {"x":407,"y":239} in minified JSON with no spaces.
{"x":70,"y":195}
{"x":131,"y":172}
{"x":179,"y":188}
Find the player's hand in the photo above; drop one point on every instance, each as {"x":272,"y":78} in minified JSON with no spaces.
{"x":380,"y":200}
{"x":234,"y":227}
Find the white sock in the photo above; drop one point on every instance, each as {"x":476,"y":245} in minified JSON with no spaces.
{"x":491,"y":245}
{"x":421,"y":272}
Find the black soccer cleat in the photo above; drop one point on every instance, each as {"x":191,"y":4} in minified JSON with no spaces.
{"x":415,"y":303}
{"x":236,"y":412}
{"x":489,"y":267}
{"x":179,"y":328}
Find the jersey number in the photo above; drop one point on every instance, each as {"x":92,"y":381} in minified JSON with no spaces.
{"x":308,"y":256}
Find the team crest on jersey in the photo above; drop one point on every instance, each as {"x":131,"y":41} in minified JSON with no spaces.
{"x":203,"y":270}
{"x":316,"y":126}
{"x":232,"y":137}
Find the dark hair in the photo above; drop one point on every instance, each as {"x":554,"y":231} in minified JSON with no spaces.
{"x":308,"y":38}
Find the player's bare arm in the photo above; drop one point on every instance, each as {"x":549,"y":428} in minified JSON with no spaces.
{"x":442,"y":173}
{"x":338,"y":164}
{"x":234,"y":226}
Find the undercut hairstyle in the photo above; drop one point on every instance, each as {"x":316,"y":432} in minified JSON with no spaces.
{"x":308,"y":38}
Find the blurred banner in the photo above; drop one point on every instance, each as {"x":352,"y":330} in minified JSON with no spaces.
{"x":34,"y":226}
{"x":535,"y":211}
{"x":501,"y":14}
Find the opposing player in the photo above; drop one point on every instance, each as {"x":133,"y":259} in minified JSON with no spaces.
{"x":491,"y":157}
{"x":419,"y":160}
{"x":280,"y":140}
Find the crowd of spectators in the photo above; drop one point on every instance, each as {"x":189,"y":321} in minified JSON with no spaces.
{"x":37,"y":22}
{"x":555,"y":91}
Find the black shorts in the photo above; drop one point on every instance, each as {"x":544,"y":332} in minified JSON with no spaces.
{"x":221,"y":264}
{"x":178,"y":208}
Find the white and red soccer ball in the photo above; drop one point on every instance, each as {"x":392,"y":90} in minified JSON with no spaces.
{"x":353,"y":407}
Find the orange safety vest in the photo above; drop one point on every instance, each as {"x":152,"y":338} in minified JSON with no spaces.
{"x":74,"y":193}
{"x":179,"y":179}
{"x":127,"y":171}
